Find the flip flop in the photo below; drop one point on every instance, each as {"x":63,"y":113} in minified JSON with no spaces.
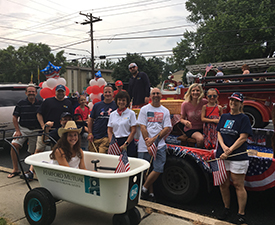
{"x":14,"y":174}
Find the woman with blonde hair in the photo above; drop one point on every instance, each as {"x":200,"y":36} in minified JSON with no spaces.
{"x":191,"y":113}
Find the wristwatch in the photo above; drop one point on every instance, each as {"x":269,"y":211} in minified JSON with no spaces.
{"x":126,"y":143}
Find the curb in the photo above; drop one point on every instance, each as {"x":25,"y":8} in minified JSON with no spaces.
{"x":182,"y":214}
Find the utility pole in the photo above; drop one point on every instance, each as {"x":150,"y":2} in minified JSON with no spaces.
{"x":91,"y":20}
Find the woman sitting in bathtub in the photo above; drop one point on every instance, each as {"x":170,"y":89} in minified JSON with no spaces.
{"x":67,"y":151}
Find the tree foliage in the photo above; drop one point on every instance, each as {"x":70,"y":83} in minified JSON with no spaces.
{"x":18,"y":65}
{"x":228,"y":30}
{"x":153,"y":67}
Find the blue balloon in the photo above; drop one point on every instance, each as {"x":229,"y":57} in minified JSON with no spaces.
{"x":98,"y":74}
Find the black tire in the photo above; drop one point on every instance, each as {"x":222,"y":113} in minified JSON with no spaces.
{"x":179,"y":181}
{"x":254,"y":116}
{"x":39,"y":207}
{"x":121,"y":219}
{"x":134,"y":216}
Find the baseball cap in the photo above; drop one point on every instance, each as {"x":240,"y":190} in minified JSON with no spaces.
{"x":238,"y":96}
{"x":131,"y":65}
{"x":60,"y":87}
{"x":64,"y":114}
{"x":220,"y":68}
{"x":118,"y":83}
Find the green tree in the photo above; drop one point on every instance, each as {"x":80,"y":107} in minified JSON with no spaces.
{"x":18,"y":65}
{"x":108,"y":64}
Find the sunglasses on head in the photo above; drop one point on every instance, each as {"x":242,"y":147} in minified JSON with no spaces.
{"x":210,"y":96}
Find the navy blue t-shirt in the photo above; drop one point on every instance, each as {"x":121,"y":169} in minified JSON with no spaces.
{"x":100,"y":113}
{"x":230,"y":127}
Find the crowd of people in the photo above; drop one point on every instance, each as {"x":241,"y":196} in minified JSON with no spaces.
{"x":111,"y":118}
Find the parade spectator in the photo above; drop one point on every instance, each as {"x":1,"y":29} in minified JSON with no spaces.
{"x":25,"y":111}
{"x":191,"y":113}
{"x":122,"y":124}
{"x":82,"y":111}
{"x":155,"y":123}
{"x":233,"y":131}
{"x":179,"y":85}
{"x":219,"y":74}
{"x":97,"y":123}
{"x":119,"y":87}
{"x":139,"y":87}
{"x":67,"y":151}
{"x":210,"y":116}
{"x":245,"y":69}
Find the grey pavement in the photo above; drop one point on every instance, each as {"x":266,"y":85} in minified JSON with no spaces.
{"x":13,"y":191}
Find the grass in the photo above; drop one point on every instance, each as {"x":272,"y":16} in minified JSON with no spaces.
{"x":3,"y":221}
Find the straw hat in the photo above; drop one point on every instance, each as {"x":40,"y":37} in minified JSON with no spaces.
{"x":69,"y":127}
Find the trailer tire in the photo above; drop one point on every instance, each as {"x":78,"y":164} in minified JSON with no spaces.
{"x":121,"y":219}
{"x":134,"y":216}
{"x":39,"y":207}
{"x":254,"y":116}
{"x":179,"y":181}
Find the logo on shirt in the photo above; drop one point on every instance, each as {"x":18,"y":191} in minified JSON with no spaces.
{"x":155,"y":117}
{"x":229,"y":124}
{"x":105,"y":113}
{"x":65,"y":106}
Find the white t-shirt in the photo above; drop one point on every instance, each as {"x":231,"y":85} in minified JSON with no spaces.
{"x":122,"y":124}
{"x":155,"y":119}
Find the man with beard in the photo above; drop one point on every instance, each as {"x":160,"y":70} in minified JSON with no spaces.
{"x":25,"y":110}
{"x":139,"y":87}
{"x":155,"y":124}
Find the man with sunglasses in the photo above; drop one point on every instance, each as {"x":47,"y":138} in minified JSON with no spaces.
{"x":139,"y":87}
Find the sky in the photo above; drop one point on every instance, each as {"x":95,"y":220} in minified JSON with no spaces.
{"x":57,"y":23}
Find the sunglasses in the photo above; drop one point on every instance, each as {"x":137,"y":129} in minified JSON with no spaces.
{"x":210,"y":96}
{"x":132,"y":67}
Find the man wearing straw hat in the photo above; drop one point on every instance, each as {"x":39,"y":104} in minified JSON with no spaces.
{"x":155,"y":123}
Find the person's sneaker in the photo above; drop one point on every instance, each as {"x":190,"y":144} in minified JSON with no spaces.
{"x":241,"y":219}
{"x":28,"y":175}
{"x":224,"y":214}
{"x":152,"y":198}
{"x":144,"y":195}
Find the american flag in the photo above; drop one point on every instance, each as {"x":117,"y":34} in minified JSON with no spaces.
{"x":51,"y":71}
{"x":218,"y":171}
{"x":123,"y":165}
{"x":208,"y":67}
{"x":175,"y":118}
{"x":114,"y":149}
{"x":154,"y":147}
{"x":260,"y":174}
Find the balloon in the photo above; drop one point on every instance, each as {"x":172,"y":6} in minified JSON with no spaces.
{"x":93,"y":96}
{"x":47,"y":93}
{"x":61,"y":80}
{"x":40,"y":85}
{"x":101,"y":82}
{"x":93,"y":82}
{"x":51,"y":70}
{"x":44,"y":85}
{"x":89,"y":90}
{"x":90,"y":105}
{"x":99,"y":95}
{"x":67,"y":91}
{"x":102,"y":89}
{"x":51,"y":83}
{"x":95,"y":90}
{"x":96,"y":100}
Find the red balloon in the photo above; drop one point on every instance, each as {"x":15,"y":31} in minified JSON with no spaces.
{"x":102,"y":88}
{"x":67,"y":91}
{"x":95,"y":89}
{"x":46,"y":93}
{"x":96,"y":100}
{"x":40,"y":85}
{"x":88,"y":90}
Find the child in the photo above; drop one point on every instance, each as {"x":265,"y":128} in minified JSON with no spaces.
{"x":82,"y":110}
{"x":210,"y":116}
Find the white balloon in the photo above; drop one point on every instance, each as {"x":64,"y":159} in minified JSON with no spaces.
{"x":101,"y":82}
{"x":93,"y":96}
{"x":93,"y":82}
{"x":61,"y":80}
{"x":44,"y":85}
{"x":99,"y":95}
{"x":51,"y":83}
{"x":90,"y":105}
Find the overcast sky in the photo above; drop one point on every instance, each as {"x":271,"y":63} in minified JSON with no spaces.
{"x":57,"y":23}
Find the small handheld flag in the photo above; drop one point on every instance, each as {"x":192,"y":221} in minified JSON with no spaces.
{"x":114,"y":149}
{"x":154,"y":147}
{"x":123,"y":165}
{"x":218,"y":171}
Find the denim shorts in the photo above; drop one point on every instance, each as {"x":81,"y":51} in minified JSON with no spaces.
{"x":159,"y":162}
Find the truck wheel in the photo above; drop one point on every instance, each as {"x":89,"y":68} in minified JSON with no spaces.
{"x":179,"y":181}
{"x":39,"y":206}
{"x":121,"y":219}
{"x":254,"y":116}
{"x":134,"y":216}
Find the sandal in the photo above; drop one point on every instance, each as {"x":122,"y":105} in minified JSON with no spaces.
{"x":13,"y":174}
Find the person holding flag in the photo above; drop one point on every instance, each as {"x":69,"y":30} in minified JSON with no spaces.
{"x":155,"y":123}
{"x":233,"y":130}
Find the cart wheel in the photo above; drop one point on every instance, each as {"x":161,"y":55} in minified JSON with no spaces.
{"x":39,"y":206}
{"x":121,"y":219}
{"x":134,"y":216}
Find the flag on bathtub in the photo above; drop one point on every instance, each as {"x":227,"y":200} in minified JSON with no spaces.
{"x":123,"y":165}
{"x":114,"y":149}
{"x":218,"y":171}
{"x":154,"y":147}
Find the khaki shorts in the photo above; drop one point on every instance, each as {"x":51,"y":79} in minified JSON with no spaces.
{"x":237,"y":167}
{"x":31,"y":140}
{"x":101,"y":145}
{"x":41,"y":146}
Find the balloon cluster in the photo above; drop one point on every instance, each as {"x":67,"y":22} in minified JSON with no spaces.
{"x":95,"y":90}
{"x":53,"y":79}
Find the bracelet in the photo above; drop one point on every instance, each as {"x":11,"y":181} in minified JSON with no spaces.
{"x":126,"y":143}
{"x":90,"y":134}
